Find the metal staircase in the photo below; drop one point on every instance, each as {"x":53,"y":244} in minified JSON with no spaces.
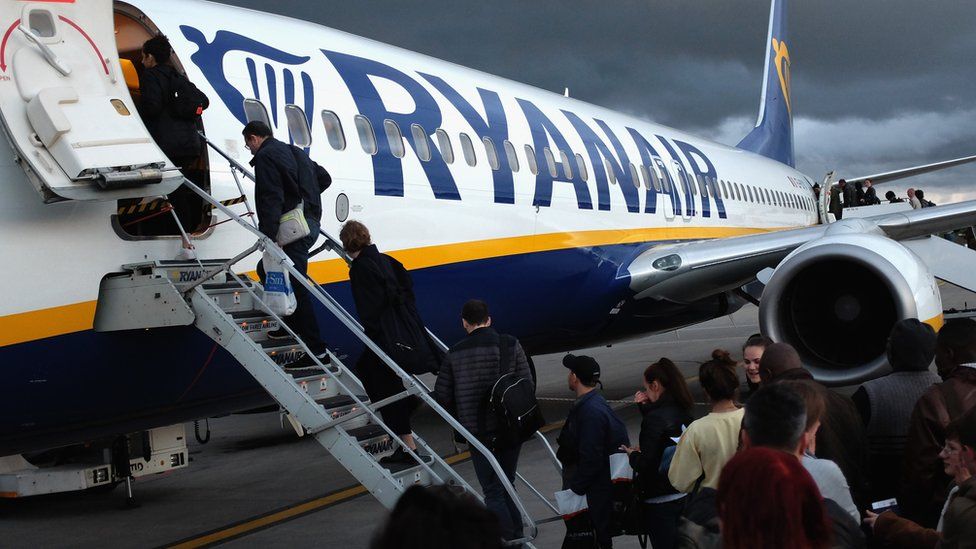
{"x":327,"y":401}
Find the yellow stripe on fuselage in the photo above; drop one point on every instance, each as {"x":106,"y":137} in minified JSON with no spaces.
{"x":936,"y":322}
{"x":43,"y":323}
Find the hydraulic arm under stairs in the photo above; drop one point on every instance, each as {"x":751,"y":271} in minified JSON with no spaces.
{"x":328,"y":401}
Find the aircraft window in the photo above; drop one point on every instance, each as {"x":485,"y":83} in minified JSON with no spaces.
{"x":550,"y":161}
{"x":298,"y":126}
{"x":468,"y":149}
{"x":444,"y":144}
{"x":513,"y":161}
{"x":713,"y":186}
{"x":395,"y":138}
{"x":646,"y":174}
{"x":633,"y":175}
{"x":254,"y":110}
{"x":492,"y":153}
{"x":421,"y":143}
{"x":750,"y":198}
{"x":690,"y":183}
{"x":702,"y":184}
{"x":582,"y":167}
{"x":739,"y":192}
{"x":724,"y":188}
{"x":655,"y":179}
{"x":366,"y":136}
{"x":530,"y":158}
{"x":333,"y":130}
{"x":611,"y":174}
{"x":769,"y":198}
{"x":567,"y":168}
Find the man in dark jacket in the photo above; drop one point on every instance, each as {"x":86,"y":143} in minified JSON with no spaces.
{"x":466,"y":376}
{"x":836,"y":206}
{"x":870,"y":195}
{"x":591,"y":434}
{"x":924,"y":482}
{"x":284,"y":177}
{"x":841,"y":437}
{"x":885,"y":404}
{"x":176,"y":137}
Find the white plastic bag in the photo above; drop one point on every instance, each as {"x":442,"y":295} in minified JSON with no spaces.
{"x":620,"y":469}
{"x":570,"y":503}
{"x":279,"y":296}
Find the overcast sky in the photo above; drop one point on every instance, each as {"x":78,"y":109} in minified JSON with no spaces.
{"x":877,"y":84}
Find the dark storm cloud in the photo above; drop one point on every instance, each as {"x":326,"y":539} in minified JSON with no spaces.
{"x":877,"y":84}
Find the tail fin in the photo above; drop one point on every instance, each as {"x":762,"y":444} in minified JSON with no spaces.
{"x":773,"y":135}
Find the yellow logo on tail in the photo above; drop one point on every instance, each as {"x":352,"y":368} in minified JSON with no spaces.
{"x":782,"y":62}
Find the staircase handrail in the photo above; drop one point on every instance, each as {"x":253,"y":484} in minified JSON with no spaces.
{"x":268,"y":245}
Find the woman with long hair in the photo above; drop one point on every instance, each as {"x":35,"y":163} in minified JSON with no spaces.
{"x":665,"y":403}
{"x":709,"y":442}
{"x":766,"y":499}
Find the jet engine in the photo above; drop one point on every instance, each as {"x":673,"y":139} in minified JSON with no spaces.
{"x":836,"y":298}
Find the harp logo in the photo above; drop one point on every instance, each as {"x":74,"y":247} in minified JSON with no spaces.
{"x":782,"y":63}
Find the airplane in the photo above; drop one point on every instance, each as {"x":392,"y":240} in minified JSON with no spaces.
{"x":578,"y":225}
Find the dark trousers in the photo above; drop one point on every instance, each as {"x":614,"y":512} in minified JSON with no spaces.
{"x":497,"y":499}
{"x":302,"y":321}
{"x":380,"y":382}
{"x":661,"y":521}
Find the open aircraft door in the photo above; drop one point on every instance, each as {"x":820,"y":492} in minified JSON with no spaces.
{"x":66,"y":109}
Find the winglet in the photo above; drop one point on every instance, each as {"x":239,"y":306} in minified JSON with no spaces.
{"x":773,"y":135}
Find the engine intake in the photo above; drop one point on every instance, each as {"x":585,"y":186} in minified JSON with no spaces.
{"x":836,"y":299}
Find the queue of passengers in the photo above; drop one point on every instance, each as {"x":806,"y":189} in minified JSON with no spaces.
{"x":778,"y":460}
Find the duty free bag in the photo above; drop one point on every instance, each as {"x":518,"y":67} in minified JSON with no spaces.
{"x":279,"y":296}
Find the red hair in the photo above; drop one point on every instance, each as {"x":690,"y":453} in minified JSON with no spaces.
{"x":767,"y":499}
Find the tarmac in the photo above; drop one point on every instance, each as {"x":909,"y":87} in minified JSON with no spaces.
{"x":256,"y":484}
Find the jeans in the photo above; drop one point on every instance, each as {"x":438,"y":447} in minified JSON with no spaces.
{"x":662,"y":522}
{"x":302,"y":321}
{"x":497,"y":499}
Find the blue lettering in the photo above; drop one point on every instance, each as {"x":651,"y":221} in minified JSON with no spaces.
{"x":542,"y":130}
{"x":597,"y":151}
{"x":651,"y":158}
{"x":494,"y":126}
{"x":682,"y":176}
{"x":387,"y":168}
{"x":704,"y":175}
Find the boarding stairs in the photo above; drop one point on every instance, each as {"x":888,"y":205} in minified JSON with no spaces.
{"x":327,"y":401}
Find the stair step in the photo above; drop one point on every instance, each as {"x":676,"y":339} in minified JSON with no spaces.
{"x":340,"y":401}
{"x":190,"y":263}
{"x":373,"y":439}
{"x":215,"y":287}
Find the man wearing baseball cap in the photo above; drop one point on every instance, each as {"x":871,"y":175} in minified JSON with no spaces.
{"x":592,"y":433}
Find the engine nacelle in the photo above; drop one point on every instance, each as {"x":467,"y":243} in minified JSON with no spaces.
{"x":835,"y":299}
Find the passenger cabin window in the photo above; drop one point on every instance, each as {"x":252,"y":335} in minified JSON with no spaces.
{"x":567,"y":168}
{"x":301,"y":135}
{"x":550,"y":161}
{"x":611,"y":174}
{"x":444,"y":144}
{"x":254,"y":110}
{"x":492,"y":153}
{"x":333,"y":130}
{"x":513,"y":161}
{"x":647,"y":177}
{"x":395,"y":138}
{"x":713,"y":186}
{"x":584,"y":173}
{"x":634,"y":176}
{"x":467,"y":148}
{"x":421,"y":143}
{"x":530,"y":158}
{"x":702,"y":184}
{"x":367,"y":138}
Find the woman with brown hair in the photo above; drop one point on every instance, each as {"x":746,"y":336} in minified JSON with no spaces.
{"x":666,"y":405}
{"x":709,"y":442}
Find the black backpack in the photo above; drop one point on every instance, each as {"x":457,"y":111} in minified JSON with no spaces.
{"x":187,"y":101}
{"x":511,"y":399}
{"x":403,"y":335}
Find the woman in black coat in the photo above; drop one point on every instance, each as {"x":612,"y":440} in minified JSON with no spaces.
{"x":666,"y":405}
{"x":368,"y":274}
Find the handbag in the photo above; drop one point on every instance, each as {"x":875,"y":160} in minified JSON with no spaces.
{"x":292,"y":226}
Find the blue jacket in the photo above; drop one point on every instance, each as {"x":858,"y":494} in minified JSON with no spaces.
{"x":592,"y":432}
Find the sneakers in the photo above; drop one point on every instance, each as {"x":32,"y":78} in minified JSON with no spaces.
{"x":280,"y":333}
{"x":306,"y":362}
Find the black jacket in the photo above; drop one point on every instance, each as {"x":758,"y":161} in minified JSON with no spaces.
{"x":471,"y":368}
{"x":662,"y":421}
{"x":592,"y":432}
{"x":177,"y":137}
{"x":285,"y":175}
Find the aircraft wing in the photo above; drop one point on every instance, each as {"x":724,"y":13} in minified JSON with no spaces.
{"x":909,"y":172}
{"x":689,"y":271}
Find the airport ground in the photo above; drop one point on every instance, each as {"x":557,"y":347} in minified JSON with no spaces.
{"x":255,"y":484}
